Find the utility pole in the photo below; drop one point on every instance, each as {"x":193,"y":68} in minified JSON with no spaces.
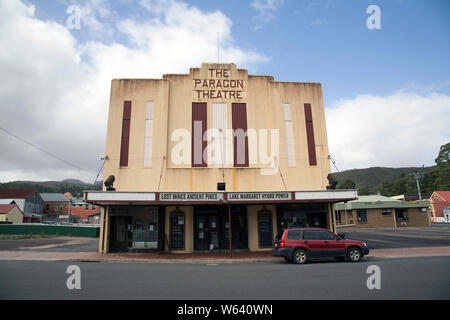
{"x":417,"y":176}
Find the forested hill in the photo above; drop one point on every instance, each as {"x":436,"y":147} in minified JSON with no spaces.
{"x":69,"y":185}
{"x":372,"y":178}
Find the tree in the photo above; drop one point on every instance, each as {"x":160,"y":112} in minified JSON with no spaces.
{"x":402,"y":185}
{"x":364,"y":191}
{"x":440,"y":175}
{"x":347,"y":184}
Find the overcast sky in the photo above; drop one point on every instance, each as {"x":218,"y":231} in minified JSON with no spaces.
{"x":386,"y":91}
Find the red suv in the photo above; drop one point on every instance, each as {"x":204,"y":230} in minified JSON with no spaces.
{"x":299,"y":244}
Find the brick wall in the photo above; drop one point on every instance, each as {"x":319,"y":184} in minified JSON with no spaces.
{"x":55,"y":208}
{"x":82,"y":212}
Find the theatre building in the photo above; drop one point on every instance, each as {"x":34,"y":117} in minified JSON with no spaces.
{"x":213,"y":159}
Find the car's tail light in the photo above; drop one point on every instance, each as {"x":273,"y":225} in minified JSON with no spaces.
{"x":282,"y":244}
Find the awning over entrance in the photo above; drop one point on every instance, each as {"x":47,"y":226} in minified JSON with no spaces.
{"x":103,"y":198}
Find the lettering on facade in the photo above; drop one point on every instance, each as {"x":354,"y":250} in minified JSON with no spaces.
{"x":220,"y":87}
{"x":255,"y":196}
{"x":190,"y":196}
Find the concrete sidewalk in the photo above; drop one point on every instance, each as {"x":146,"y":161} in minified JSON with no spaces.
{"x":201,"y":257}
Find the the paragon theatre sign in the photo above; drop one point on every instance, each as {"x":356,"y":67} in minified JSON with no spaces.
{"x":219,"y":85}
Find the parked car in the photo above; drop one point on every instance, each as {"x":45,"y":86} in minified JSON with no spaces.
{"x":300,"y":244}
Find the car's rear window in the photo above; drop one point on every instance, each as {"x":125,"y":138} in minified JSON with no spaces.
{"x":295,"y":234}
{"x":279,"y":235}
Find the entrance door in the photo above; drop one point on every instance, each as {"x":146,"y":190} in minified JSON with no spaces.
{"x":207,"y":232}
{"x":120,"y":233}
{"x":239,"y":232}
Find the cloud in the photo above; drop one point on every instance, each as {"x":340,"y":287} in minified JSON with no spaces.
{"x":54,"y":90}
{"x":265,"y":11}
{"x":399,"y":130}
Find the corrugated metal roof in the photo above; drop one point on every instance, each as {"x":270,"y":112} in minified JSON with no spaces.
{"x":54,"y":197}
{"x":444,"y":194}
{"x":5,"y":208}
{"x":20,"y":202}
{"x":379,"y":202}
{"x":15,"y":193}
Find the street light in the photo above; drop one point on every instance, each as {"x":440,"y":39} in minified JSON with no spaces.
{"x":417,"y":176}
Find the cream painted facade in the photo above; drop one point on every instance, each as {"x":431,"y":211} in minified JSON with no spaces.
{"x":173,"y":96}
{"x":13,"y":215}
{"x":283,"y":181}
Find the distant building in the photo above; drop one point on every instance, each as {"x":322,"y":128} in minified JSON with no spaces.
{"x":29,"y":201}
{"x":411,"y":197}
{"x":83,"y":210}
{"x":439,"y":201}
{"x":95,"y":218}
{"x":10,"y":213}
{"x":377,"y":211}
{"x":55,"y":205}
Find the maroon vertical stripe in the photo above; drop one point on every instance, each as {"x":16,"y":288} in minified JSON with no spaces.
{"x":125,"y":143}
{"x":198,"y":143}
{"x":310,"y":135}
{"x":240,"y":138}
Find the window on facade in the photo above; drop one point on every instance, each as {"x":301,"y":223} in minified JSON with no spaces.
{"x":219,"y":134}
{"x":338,"y":217}
{"x":93,"y":207}
{"x":125,"y":143}
{"x":148,"y":134}
{"x":198,"y":131}
{"x":386,"y":211}
{"x":240,"y":137}
{"x":402,"y":214}
{"x":86,"y":207}
{"x":310,"y":135}
{"x":290,"y":149}
{"x":47,"y":207}
{"x":362,"y":215}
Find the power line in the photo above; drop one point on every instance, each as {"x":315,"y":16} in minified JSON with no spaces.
{"x":42,"y":150}
{"x":103,"y":163}
{"x":333,"y":162}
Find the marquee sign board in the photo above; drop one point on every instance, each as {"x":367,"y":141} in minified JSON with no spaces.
{"x":190,"y":196}
{"x":259,"y":196}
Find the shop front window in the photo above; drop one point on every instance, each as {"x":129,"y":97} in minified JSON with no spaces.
{"x":304,"y":216}
{"x":145,"y":228}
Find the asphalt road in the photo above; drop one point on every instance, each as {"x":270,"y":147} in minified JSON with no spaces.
{"x":406,"y":278}
{"x":52,"y":244}
{"x":384,"y":238}
{"x":438,"y":235}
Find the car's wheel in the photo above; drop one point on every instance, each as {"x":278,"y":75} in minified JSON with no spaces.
{"x":354,"y":254}
{"x":299,"y":256}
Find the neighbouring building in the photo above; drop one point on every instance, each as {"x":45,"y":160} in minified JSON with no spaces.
{"x":29,"y":202}
{"x":377,"y":211}
{"x":213,"y":158}
{"x":55,"y":205}
{"x":10,"y":213}
{"x":94,"y":218}
{"x":83,"y":210}
{"x":440,"y":206}
{"x":411,"y":197}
